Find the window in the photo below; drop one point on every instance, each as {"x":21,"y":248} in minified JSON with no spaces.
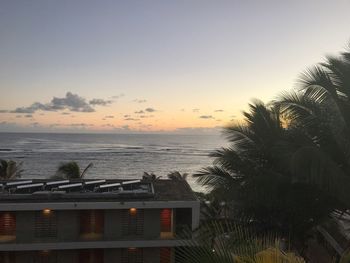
{"x":91,"y":256}
{"x":7,"y":226}
{"x":165,"y":255}
{"x":166,"y":223}
{"x":132,"y":255}
{"x":91,"y":224}
{"x":132,"y":222}
{"x":45,"y":224}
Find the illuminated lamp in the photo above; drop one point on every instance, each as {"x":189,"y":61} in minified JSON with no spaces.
{"x":133,"y":211}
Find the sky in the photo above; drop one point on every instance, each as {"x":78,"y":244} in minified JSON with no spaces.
{"x":167,"y":66}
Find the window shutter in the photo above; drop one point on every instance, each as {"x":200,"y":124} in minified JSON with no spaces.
{"x":45,"y":256}
{"x":91,"y":256}
{"x":45,"y":224}
{"x":91,"y":221}
{"x":7,"y":224}
{"x":165,"y":255}
{"x":133,"y":222}
{"x":132,"y":255}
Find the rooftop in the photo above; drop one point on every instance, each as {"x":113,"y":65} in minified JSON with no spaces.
{"x":39,"y":190}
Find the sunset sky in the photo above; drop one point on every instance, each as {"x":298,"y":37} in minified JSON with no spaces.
{"x":176,"y":66}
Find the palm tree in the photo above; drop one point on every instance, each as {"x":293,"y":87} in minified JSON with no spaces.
{"x":320,"y":109}
{"x":252,"y":176}
{"x":10,"y":170}
{"x":150,"y":176}
{"x":225,"y":242}
{"x":176,"y":175}
{"x":71,"y":170}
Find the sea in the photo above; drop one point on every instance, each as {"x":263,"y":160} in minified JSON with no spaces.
{"x":123,"y":156}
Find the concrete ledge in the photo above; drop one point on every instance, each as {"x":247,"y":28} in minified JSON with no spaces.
{"x":91,"y":245}
{"x":96,"y":205}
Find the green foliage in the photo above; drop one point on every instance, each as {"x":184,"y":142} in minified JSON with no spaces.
{"x":10,"y":170}
{"x":345,"y":258}
{"x":226,"y":242}
{"x":288,"y":164}
{"x":176,"y":175}
{"x":320,"y":109}
{"x":253,"y":176}
{"x":71,"y":170}
{"x":150,"y":176}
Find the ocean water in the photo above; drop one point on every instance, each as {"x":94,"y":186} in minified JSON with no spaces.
{"x":113,"y":155}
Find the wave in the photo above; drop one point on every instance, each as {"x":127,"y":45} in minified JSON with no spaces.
{"x":5,"y":150}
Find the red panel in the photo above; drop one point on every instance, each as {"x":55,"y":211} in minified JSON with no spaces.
{"x":165,"y":220}
{"x":91,"y":256}
{"x":91,"y":221}
{"x":165,"y":255}
{"x":7,"y":224}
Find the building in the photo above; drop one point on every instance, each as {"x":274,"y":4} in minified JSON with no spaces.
{"x":94,"y":221}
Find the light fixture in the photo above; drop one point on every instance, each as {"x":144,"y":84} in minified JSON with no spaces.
{"x":133,"y":211}
{"x":46,"y":211}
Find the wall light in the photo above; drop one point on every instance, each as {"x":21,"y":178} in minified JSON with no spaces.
{"x":133,"y":211}
{"x":46,"y":211}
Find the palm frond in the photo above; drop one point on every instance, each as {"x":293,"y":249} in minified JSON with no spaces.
{"x":10,"y":170}
{"x":70,"y":170}
{"x":226,"y":242}
{"x":318,"y":80}
{"x":216,"y":177}
{"x":311,"y":165}
{"x":90,"y":165}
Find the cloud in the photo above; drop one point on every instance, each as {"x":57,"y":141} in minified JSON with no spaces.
{"x":53,"y":125}
{"x":146,"y":116}
{"x":100,"y":102}
{"x":28,"y":116}
{"x":34,"y":124}
{"x":118,"y":96}
{"x":6,"y":123}
{"x":199,"y":130}
{"x":30,"y":109}
{"x":18,"y":116}
{"x":131,"y":119}
{"x":219,"y":111}
{"x":195,"y":110}
{"x":108,"y":125}
{"x":109,"y":117}
{"x":150,"y":110}
{"x":139,"y":101}
{"x":139,"y":112}
{"x":206,"y":117}
{"x":126,"y":116}
{"x":72,"y":102}
{"x":80,"y":125}
{"x":65,"y":113}
{"x":3,"y":111}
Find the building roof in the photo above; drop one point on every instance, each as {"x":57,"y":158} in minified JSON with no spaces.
{"x":93,"y":190}
{"x":177,"y":190}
